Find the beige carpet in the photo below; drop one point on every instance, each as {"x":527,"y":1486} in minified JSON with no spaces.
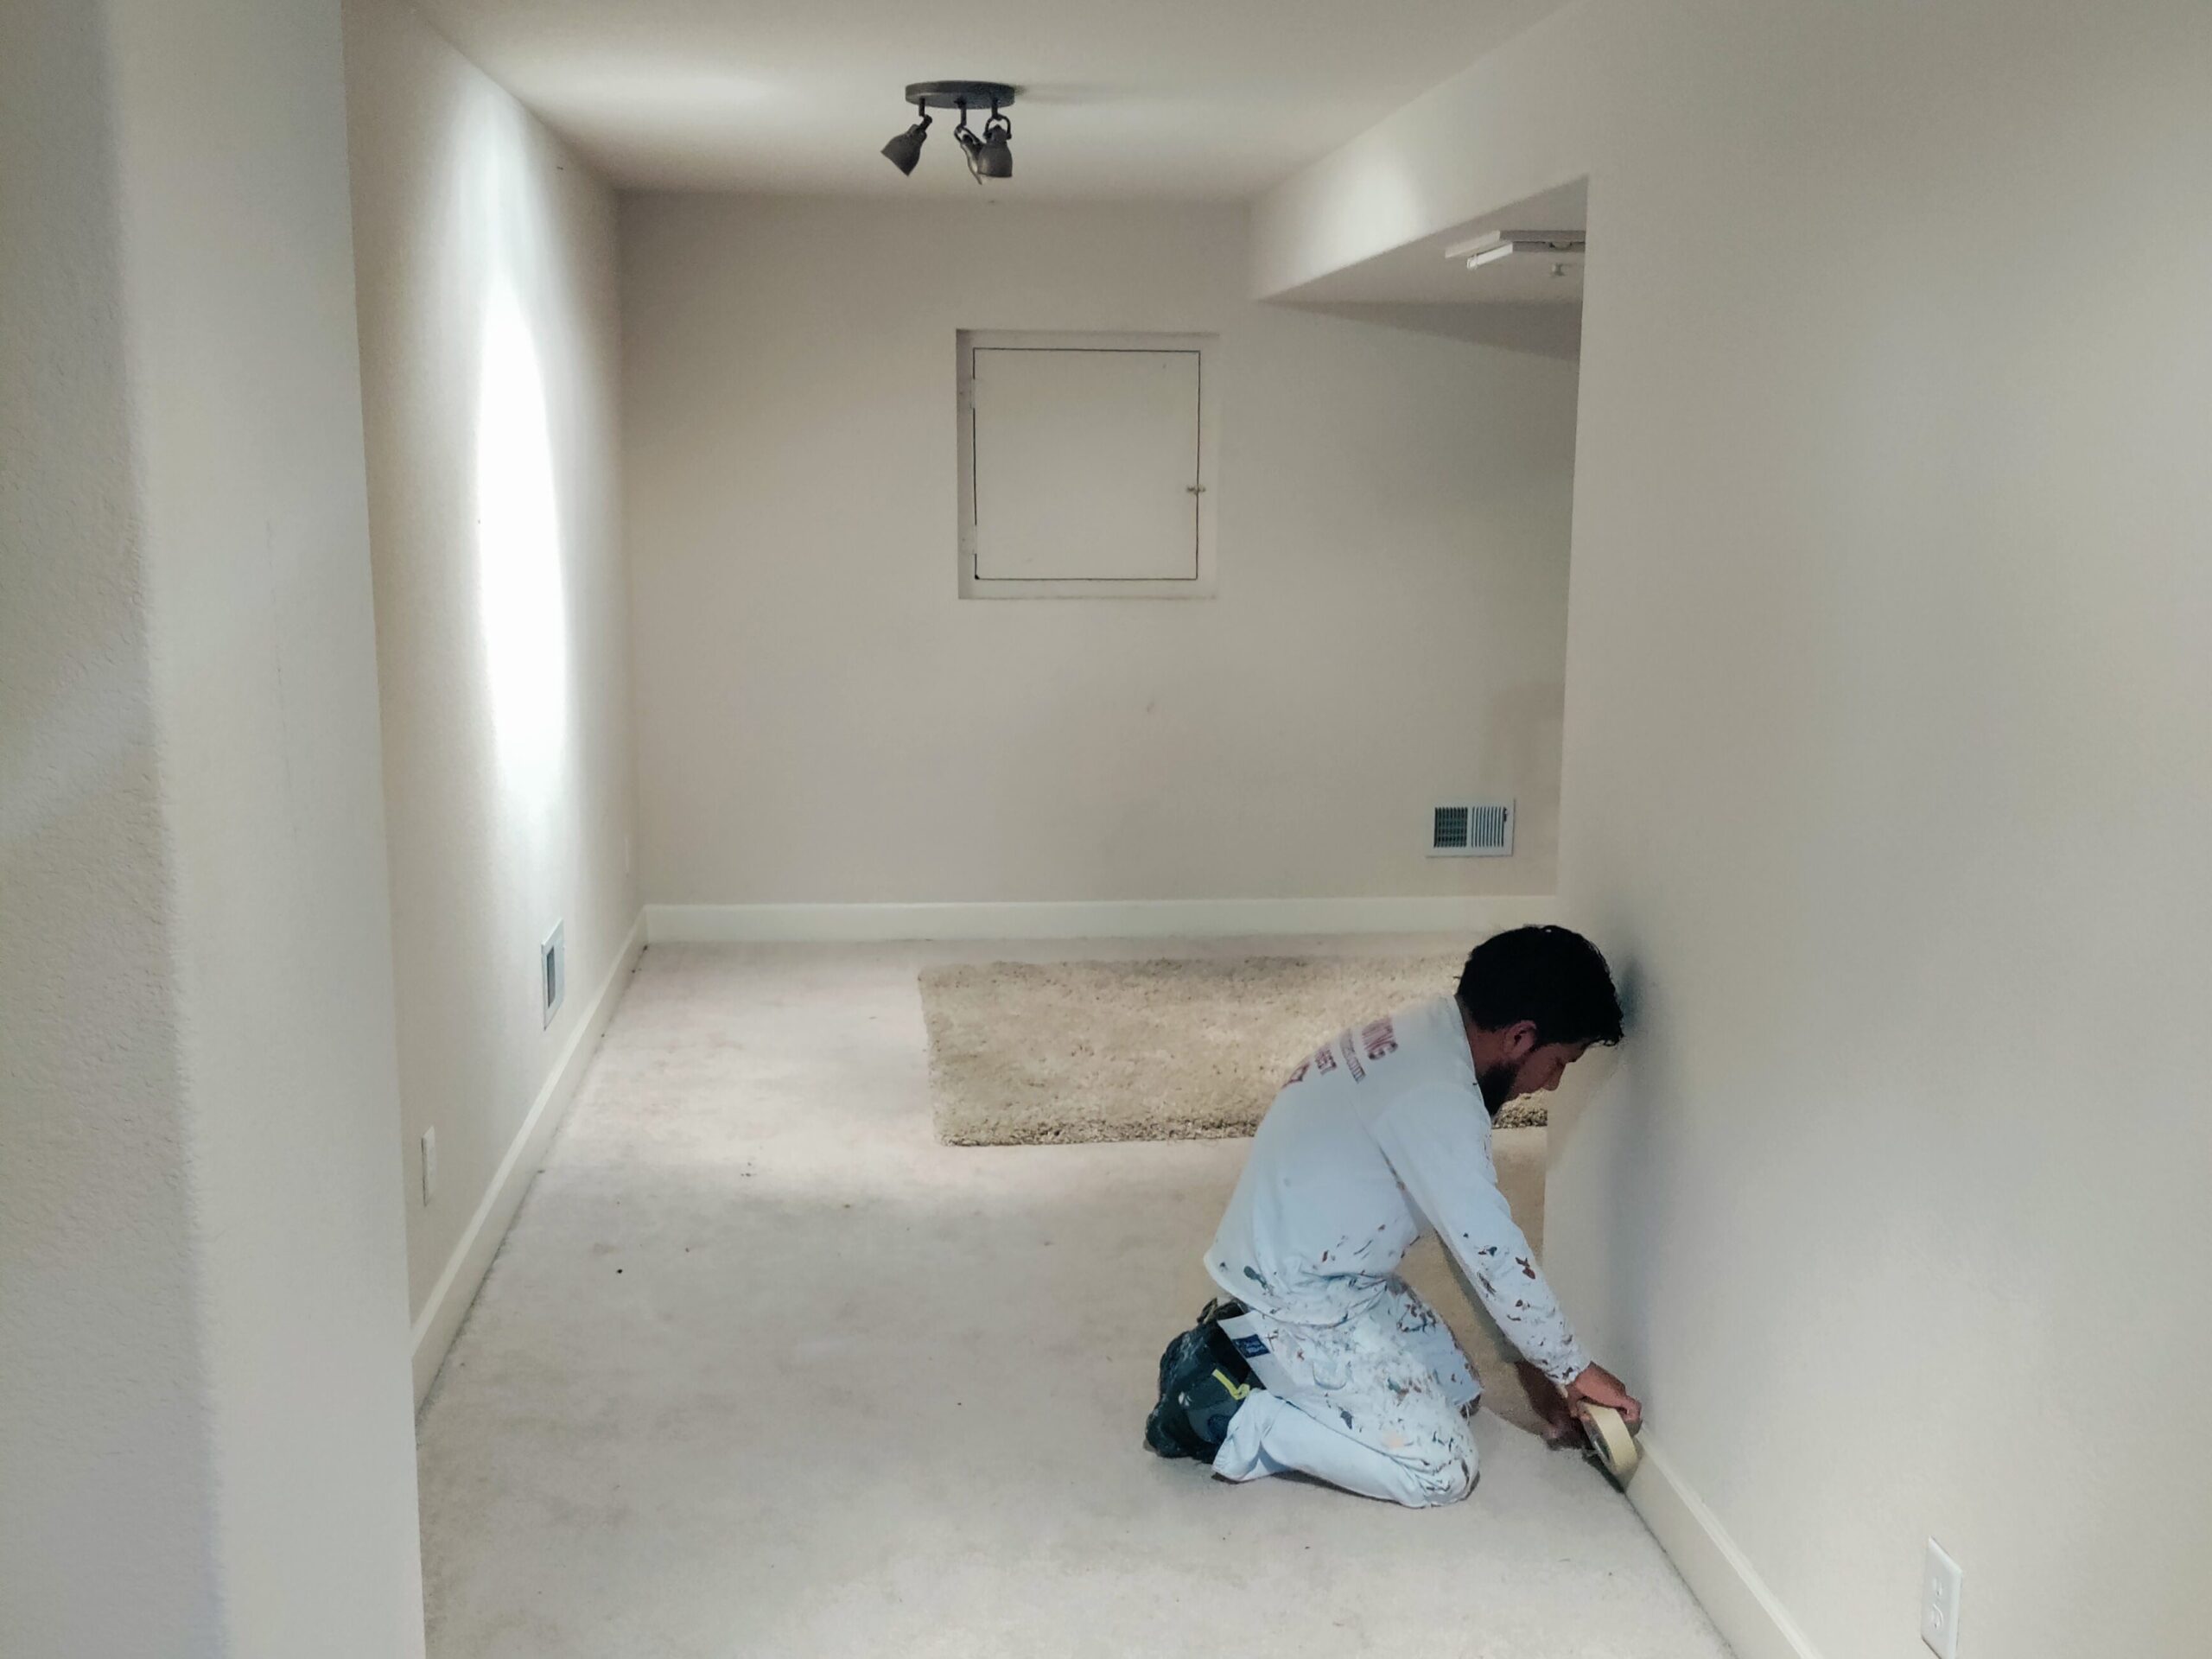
{"x":1022,"y":1052}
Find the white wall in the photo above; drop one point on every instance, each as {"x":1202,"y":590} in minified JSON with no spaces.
{"x":103,"y":1416}
{"x":489,"y":330}
{"x":821,"y":719}
{"x":208,"y":1441}
{"x":1888,"y":706}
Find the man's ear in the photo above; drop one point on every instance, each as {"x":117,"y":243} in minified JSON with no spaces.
{"x":1520,"y":1040}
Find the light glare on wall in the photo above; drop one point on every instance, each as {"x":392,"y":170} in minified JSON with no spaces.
{"x":522,"y":609}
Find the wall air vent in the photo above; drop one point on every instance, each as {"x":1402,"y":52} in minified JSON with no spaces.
{"x":553,"y":972}
{"x":1472,"y":830}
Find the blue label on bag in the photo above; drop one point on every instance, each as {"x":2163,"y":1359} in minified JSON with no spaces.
{"x":1250,"y":1347}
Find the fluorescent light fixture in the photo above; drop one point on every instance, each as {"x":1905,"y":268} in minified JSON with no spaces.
{"x":1498,"y":244}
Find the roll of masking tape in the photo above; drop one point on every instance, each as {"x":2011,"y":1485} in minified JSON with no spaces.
{"x":1610,"y":1443}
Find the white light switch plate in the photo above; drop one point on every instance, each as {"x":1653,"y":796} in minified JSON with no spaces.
{"x":1939,"y":1602}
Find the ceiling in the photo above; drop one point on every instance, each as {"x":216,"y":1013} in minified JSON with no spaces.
{"x":1156,"y":100}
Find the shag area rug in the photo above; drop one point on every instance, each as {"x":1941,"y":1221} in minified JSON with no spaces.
{"x":1024,"y":1053}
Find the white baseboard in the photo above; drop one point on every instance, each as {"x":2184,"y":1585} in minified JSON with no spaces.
{"x":456,"y":1288}
{"x":1726,"y":1584}
{"x":1130,"y":919}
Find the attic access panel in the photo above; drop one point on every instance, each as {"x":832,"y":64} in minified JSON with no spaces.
{"x":1086,"y":465}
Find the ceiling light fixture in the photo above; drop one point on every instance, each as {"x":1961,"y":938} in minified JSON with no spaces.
{"x":1558,"y":245}
{"x":995,"y":159}
{"x":971,"y":145}
{"x":905,"y":149}
{"x":990,"y":155}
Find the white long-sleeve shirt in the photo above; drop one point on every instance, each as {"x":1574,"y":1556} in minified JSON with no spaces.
{"x":1377,"y":1131}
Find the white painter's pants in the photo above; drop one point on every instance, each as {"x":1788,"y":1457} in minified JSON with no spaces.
{"x":1374,"y":1405}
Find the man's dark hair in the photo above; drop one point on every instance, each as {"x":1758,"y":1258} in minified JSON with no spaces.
{"x":1552,"y":975}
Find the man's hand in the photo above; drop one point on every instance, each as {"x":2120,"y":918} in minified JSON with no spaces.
{"x":1599,"y":1387}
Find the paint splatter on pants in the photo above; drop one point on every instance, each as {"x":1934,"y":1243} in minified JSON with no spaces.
{"x":1374,"y":1405}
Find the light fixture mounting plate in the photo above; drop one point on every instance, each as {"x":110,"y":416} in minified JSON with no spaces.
{"x":974,"y":95}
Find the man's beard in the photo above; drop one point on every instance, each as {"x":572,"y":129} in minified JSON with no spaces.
{"x":1498,"y":1085}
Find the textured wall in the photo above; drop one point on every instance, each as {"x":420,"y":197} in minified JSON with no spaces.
{"x":204,"y":1297}
{"x":1888,"y":709}
{"x":103,"y":1432}
{"x":821,"y":718}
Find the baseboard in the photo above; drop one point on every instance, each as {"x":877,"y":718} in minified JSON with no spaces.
{"x":1132,"y":919}
{"x":456,"y":1288}
{"x":1726,"y":1584}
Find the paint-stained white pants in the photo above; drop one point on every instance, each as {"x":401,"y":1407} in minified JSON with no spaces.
{"x":1374,"y":1405}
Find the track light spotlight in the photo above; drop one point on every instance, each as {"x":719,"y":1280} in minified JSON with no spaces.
{"x":971,"y":145}
{"x":905,"y":149}
{"x":995,"y":159}
{"x":989,"y":156}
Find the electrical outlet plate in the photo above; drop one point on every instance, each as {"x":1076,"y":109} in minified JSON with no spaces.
{"x":1939,"y":1586}
{"x":429,"y":1166}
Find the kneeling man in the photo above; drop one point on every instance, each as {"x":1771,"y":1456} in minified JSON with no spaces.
{"x":1324,"y":1361}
